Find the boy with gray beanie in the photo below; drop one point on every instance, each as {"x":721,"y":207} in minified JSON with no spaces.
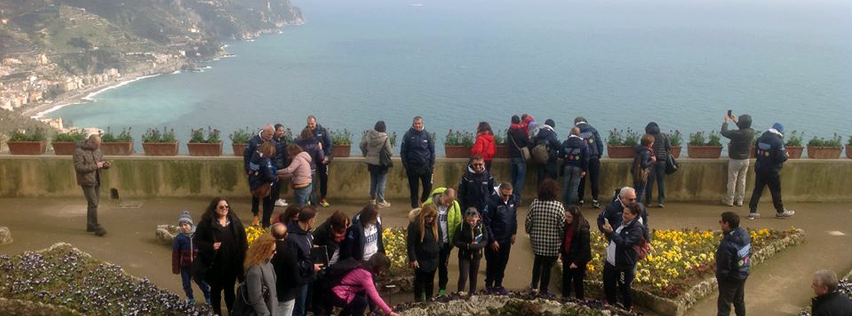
{"x":184,"y":252}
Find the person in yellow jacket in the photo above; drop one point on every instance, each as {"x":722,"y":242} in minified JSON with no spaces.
{"x":449,"y":220}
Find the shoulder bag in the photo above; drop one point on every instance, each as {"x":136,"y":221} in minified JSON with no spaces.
{"x":525,"y":152}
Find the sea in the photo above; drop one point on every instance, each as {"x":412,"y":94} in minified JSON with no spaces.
{"x":618,"y":63}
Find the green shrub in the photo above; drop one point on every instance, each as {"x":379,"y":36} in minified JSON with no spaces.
{"x":211,"y":136}
{"x":343,"y":138}
{"x":501,"y":139}
{"x":714,"y":139}
{"x":153,"y":135}
{"x":241,"y":136}
{"x":29,"y":135}
{"x":833,"y":142}
{"x":627,"y":137}
{"x":459,"y":138}
{"x":69,"y":137}
{"x":676,"y":138}
{"x":794,"y":139}
{"x":698,"y":139}
{"x":123,"y":137}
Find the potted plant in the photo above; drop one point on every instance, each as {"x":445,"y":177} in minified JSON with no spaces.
{"x":675,"y":139}
{"x":794,"y":145}
{"x":757,"y":134}
{"x":622,"y":144}
{"x":240,"y":139}
{"x":704,"y":147}
{"x":65,"y":143}
{"x":457,"y":144}
{"x":502,"y":141}
{"x":849,"y":148}
{"x":821,"y":148}
{"x":342,"y":141}
{"x":27,"y":142}
{"x":204,"y":143}
{"x":121,"y":144}
{"x":156,"y":143}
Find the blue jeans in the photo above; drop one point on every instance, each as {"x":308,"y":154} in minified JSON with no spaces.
{"x":303,"y":195}
{"x":519,"y":171}
{"x":571,"y":185}
{"x":658,"y":173}
{"x":314,"y":180}
{"x":301,"y":300}
{"x":186,"y":279}
{"x":378,"y":180}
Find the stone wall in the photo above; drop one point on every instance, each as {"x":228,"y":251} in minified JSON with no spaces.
{"x":181,"y":176}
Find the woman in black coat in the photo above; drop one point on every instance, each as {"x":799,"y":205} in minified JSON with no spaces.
{"x":221,"y":240}
{"x":576,"y":251}
{"x":424,"y":246}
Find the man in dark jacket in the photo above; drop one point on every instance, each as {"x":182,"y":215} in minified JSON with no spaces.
{"x":575,"y":152}
{"x":662,"y":146}
{"x":829,"y":301}
{"x":281,"y":161}
{"x":613,"y":212}
{"x":621,"y":254}
{"x":500,"y":216}
{"x":286,"y":269}
{"x":733,"y":259}
{"x":418,"y":159}
{"x":518,"y":139}
{"x":593,"y":139}
{"x":265,"y":134}
{"x":771,"y":155}
{"x":301,"y":241}
{"x":323,"y":137}
{"x":739,"y":151}
{"x":476,"y":185}
{"x":547,"y":136}
{"x":88,"y":162}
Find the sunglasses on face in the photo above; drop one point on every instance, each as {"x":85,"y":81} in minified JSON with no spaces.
{"x":224,"y":207}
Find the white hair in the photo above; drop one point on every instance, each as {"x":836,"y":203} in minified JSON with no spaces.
{"x":625,"y":190}
{"x":826,"y":278}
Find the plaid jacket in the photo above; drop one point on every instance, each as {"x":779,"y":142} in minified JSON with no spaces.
{"x":546,"y":225}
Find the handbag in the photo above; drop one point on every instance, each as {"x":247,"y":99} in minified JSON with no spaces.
{"x":262,"y":190}
{"x":242,"y":304}
{"x":385,"y":158}
{"x":640,"y":175}
{"x":198,"y":270}
{"x":642,"y":250}
{"x":671,"y":164}
{"x":525,"y":152}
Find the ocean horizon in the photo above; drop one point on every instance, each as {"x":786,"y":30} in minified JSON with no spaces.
{"x":619,"y":64}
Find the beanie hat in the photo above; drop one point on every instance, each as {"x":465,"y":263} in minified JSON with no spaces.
{"x":185,"y":218}
{"x":778,"y":127}
{"x":550,"y":123}
{"x":580,"y":119}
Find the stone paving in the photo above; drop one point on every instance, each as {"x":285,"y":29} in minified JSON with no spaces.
{"x":781,"y":286}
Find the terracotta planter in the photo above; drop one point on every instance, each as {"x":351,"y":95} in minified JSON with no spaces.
{"x":675,"y":151}
{"x":160,"y":149}
{"x":620,"y":151}
{"x":824,"y":152}
{"x":239,"y":149}
{"x":502,"y":151}
{"x":849,"y":151}
{"x":795,"y":152}
{"x":27,"y":148}
{"x":64,"y":148}
{"x":456,"y":151}
{"x":117,"y":149}
{"x":341,"y":150}
{"x":704,"y":151}
{"x":204,"y":149}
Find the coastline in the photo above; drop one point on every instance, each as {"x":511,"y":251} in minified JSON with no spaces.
{"x":82,"y":96}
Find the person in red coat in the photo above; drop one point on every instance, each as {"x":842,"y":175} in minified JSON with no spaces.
{"x":484,"y":145}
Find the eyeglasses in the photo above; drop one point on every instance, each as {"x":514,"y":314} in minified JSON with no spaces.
{"x":224,"y":207}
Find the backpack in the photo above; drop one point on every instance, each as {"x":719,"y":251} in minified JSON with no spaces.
{"x":540,"y":154}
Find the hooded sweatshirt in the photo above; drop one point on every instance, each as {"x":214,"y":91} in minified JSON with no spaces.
{"x":592,"y":138}
{"x":741,"y":139}
{"x":484,"y":146}
{"x":299,"y":169}
{"x":261,"y":170}
{"x":770,"y":153}
{"x":417,"y":150}
{"x":733,"y":257}
{"x":311,"y":146}
{"x":372,"y":144}
{"x":547,"y":136}
{"x":475,"y":188}
{"x":575,"y":151}
{"x":662,"y":146}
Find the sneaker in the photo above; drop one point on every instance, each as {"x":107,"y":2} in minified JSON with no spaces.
{"x":255,"y":220}
{"x":383,"y":204}
{"x":739,"y":204}
{"x":190,"y":302}
{"x":462,"y":293}
{"x":501,"y":291}
{"x":728,"y":204}
{"x":596,"y":204}
{"x":323,"y":203}
{"x":661,"y":205}
{"x":785,"y":214}
{"x":533,"y":291}
{"x":100,"y":231}
{"x":581,"y":202}
{"x":281,"y":202}
{"x":754,"y":215}
{"x":442,"y":292}
{"x":373,"y":201}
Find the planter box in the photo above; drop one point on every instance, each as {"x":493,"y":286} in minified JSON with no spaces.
{"x":204,"y":149}
{"x":239,"y":149}
{"x":64,"y":148}
{"x":704,"y":151}
{"x":849,"y":151}
{"x":117,"y":149}
{"x":27,"y":148}
{"x":620,"y":151}
{"x":795,"y":152}
{"x":502,"y":151}
{"x":456,"y":151}
{"x":341,"y":150}
{"x":676,"y":151}
{"x":160,"y":149}
{"x":824,"y":152}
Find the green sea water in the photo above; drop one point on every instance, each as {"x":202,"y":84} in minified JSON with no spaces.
{"x":619,"y":63}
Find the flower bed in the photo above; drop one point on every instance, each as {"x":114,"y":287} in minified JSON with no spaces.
{"x":511,"y":304}
{"x":682,"y":269}
{"x":66,"y":277}
{"x":400,"y":274}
